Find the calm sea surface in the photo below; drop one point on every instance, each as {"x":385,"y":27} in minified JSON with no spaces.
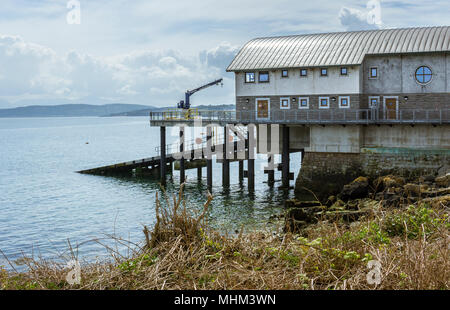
{"x":44,"y":203}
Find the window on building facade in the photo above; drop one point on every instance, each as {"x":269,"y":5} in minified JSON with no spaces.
{"x":344,"y":102}
{"x":303,"y":103}
{"x":250,"y":77}
{"x":344,"y":71}
{"x":373,"y":73}
{"x":284,"y":73}
{"x":373,"y":102}
{"x":303,"y":72}
{"x":324,"y":102}
{"x":323,"y":72}
{"x":263,"y":77}
{"x":285,"y":103}
{"x":424,"y":75}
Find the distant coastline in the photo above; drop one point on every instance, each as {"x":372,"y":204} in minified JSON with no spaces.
{"x":80,"y":110}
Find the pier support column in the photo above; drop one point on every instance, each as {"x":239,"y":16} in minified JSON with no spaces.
{"x":251,"y":158}
{"x":199,"y":174}
{"x":182,"y":173}
{"x":163,"y":155}
{"x":226,"y":161}
{"x":271,"y":169}
{"x":241,"y":170}
{"x":209,"y":157}
{"x":285,"y":158}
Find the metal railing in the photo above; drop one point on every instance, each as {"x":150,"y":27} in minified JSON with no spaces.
{"x":200,"y":143}
{"x":320,"y":116}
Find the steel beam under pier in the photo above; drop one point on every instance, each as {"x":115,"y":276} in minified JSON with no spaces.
{"x":226,"y":161}
{"x":182,"y":172}
{"x":209,"y":157}
{"x":285,"y":158}
{"x":199,"y":174}
{"x":251,"y":159}
{"x":162,"y":165}
{"x":271,"y":170}
{"x":241,"y":171}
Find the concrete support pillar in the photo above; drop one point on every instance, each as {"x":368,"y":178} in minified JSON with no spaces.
{"x":271,"y":169}
{"x":209,"y":157}
{"x":199,"y":174}
{"x":225,"y":161}
{"x":182,"y":141}
{"x":251,"y":159}
{"x":285,"y":158}
{"x":163,"y":154}
{"x":241,"y":170}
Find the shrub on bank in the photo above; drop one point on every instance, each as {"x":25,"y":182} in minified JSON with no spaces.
{"x":183,"y":252}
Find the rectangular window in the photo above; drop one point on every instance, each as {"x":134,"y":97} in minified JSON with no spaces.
{"x":344,"y":102}
{"x":285,"y":103}
{"x":250,"y":77}
{"x":324,"y":102}
{"x":284,"y":73}
{"x":373,"y":73}
{"x":374,"y":102}
{"x":264,"y":77}
{"x":344,"y":71}
{"x":303,"y":103}
{"x":323,"y":72}
{"x":303,"y":72}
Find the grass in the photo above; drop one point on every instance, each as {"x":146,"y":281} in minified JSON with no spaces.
{"x":182,"y":252}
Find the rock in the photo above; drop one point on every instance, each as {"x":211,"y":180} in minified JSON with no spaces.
{"x":436,"y":202}
{"x":436,"y":192}
{"x":414,"y":190}
{"x":427,"y":179}
{"x":308,"y":215}
{"x":443,"y":181}
{"x":294,"y":203}
{"x":387,"y":181}
{"x":389,"y":199}
{"x":359,"y":188}
{"x":292,"y":225}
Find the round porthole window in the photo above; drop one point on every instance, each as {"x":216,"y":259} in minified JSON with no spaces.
{"x":423,"y":75}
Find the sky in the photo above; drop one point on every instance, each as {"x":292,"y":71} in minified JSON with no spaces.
{"x":150,"y":51}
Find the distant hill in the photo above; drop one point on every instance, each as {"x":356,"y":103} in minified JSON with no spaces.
{"x":145,"y":112}
{"x":72,"y":110}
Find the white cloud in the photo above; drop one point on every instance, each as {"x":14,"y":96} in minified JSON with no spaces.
{"x":31,"y":71}
{"x":150,"y":52}
{"x":354,"y":19}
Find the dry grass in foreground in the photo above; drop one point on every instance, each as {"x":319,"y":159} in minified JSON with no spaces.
{"x":181,"y":252}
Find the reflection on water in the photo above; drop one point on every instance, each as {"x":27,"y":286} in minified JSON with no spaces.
{"x":43,"y":202}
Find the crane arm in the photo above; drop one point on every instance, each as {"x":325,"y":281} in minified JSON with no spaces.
{"x":216,"y":82}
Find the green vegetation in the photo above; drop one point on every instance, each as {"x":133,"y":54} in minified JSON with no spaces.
{"x":183,"y":252}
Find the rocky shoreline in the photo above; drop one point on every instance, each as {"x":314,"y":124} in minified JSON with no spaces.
{"x":362,"y":196}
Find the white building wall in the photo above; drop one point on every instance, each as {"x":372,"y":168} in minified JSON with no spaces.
{"x":313,"y":84}
{"x":335,"y":139}
{"x":396,"y":74}
{"x":447,"y":76}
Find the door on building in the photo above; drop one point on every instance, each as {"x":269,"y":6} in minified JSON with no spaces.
{"x":262,"y":108}
{"x":391,"y":106}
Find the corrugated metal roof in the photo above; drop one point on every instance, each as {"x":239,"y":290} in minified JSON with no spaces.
{"x":339,"y":48}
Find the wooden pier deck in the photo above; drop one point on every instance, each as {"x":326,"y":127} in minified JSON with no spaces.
{"x":150,"y":163}
{"x":125,"y":167}
{"x":198,"y":153}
